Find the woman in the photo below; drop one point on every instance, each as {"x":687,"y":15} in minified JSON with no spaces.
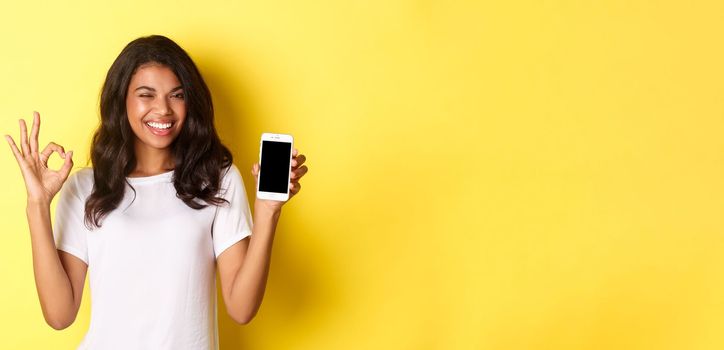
{"x":161,"y":208}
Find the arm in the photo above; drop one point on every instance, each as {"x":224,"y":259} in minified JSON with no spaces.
{"x":244,"y":267}
{"x":59,"y":276}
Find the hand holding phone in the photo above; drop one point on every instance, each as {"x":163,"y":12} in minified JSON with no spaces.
{"x":275,"y":160}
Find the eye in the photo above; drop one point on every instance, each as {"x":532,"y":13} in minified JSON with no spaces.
{"x":145,"y":95}
{"x":179,"y":95}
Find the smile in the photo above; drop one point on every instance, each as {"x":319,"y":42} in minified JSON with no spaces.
{"x":160,"y":129}
{"x":160,"y":126}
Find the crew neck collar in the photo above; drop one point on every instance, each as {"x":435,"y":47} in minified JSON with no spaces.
{"x":153,"y":178}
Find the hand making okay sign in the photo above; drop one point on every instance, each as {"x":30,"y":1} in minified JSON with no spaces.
{"x":41,"y":182}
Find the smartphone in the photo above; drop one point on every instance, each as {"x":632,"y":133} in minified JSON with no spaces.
{"x":275,"y":166}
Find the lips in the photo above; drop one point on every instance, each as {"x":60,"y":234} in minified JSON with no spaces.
{"x":159,"y":128}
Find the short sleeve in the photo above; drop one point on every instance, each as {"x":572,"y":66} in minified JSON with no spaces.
{"x":233,"y":220}
{"x":69,"y":231}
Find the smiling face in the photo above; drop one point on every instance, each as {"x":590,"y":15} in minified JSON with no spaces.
{"x":155,"y":106}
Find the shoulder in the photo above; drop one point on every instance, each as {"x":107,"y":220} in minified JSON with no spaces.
{"x":230,"y":175}
{"x":231,"y":181}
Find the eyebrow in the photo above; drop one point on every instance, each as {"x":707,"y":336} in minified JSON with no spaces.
{"x":152,"y":89}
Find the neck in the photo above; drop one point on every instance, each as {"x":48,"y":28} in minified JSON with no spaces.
{"x":152,"y":161}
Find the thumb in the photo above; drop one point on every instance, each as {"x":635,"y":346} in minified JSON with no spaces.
{"x":255,"y":171}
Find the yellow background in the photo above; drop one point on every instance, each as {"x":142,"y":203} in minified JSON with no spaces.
{"x":483,"y":175}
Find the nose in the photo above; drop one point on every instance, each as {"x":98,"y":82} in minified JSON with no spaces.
{"x":162,"y":106}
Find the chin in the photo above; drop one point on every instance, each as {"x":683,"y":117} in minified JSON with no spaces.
{"x":158,"y":144}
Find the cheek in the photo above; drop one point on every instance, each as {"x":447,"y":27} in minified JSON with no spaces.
{"x":179,"y":107}
{"x":134,"y":108}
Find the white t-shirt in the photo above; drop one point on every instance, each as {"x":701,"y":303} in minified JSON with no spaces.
{"x":152,"y":262}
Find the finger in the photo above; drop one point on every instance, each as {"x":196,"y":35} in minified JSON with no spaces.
{"x":299,"y":160}
{"x":24,"y":138}
{"x":67,"y":165}
{"x":297,"y":174}
{"x":296,"y":151}
{"x":255,"y":169}
{"x":49,"y":149}
{"x":34,"y":133}
{"x":14,"y":148}
{"x":294,"y":187}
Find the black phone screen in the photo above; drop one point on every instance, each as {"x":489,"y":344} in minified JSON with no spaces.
{"x":274,"y":173}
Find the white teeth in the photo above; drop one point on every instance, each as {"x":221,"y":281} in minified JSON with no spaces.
{"x":159,"y":125}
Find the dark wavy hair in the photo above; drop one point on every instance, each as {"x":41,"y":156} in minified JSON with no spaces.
{"x":199,"y":155}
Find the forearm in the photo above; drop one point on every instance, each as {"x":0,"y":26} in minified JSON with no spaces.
{"x":52,"y":283}
{"x":248,"y":288}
